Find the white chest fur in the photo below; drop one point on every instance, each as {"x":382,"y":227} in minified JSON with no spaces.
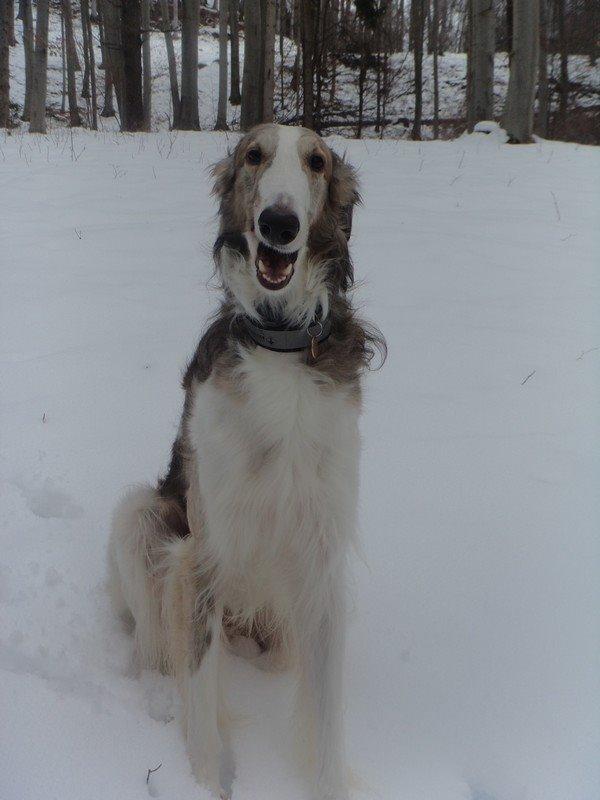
{"x":277,"y":464}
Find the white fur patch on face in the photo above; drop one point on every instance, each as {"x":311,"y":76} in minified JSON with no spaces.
{"x":285,"y":184}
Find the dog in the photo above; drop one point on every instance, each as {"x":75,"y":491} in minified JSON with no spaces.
{"x":246,"y":537}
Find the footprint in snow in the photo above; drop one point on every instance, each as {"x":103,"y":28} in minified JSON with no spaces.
{"x":49,"y":502}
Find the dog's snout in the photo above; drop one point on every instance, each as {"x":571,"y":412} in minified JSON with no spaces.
{"x":278,"y":227}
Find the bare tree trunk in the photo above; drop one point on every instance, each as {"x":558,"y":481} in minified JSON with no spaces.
{"x":37,"y":123}
{"x":435,"y":43}
{"x":189,"y":118}
{"x":362,"y":74}
{"x":543,"y":93}
{"x":94,"y":15}
{"x":63,"y":60}
{"x":401,"y":20}
{"x":309,"y":11}
{"x":480,"y":77}
{"x":74,"y":118}
{"x":235,"y":98}
{"x":268,"y":54}
{"x":108,"y":109}
{"x":173,"y":82}
{"x":221,"y":124}
{"x":563,"y":105}
{"x":12,"y":42}
{"x":175,"y":15}
{"x":417,"y":11}
{"x":592,"y":14}
{"x":133,"y":107}
{"x":4,"y":65}
{"x":28,"y":52}
{"x":147,"y":65}
{"x":518,"y":110}
{"x":251,"y":107}
{"x":111,"y":19}
{"x":90,"y":61}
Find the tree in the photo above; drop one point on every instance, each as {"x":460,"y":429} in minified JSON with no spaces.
{"x":189,"y":118}
{"x":435,"y":30}
{"x":90,"y":61}
{"x":518,"y":109}
{"x":108,"y":109}
{"x":67,"y":14}
{"x":4,"y":64}
{"x":543,"y":93}
{"x":166,"y":26}
{"x":111,"y":18}
{"x":131,"y":42}
{"x":310,"y":14}
{"x":268,"y":17}
{"x":37,"y":122}
{"x":251,"y":94}
{"x":221,"y":124}
{"x":147,"y":65}
{"x":26,"y":16}
{"x":235,"y":98}
{"x":480,"y":70}
{"x":417,"y":14}
{"x":563,"y":104}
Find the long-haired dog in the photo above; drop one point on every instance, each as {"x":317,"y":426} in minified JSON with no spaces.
{"x":248,"y":533}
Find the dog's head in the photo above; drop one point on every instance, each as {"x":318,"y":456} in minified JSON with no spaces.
{"x":286,"y":204}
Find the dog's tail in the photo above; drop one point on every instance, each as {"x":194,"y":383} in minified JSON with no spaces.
{"x":145,"y":526}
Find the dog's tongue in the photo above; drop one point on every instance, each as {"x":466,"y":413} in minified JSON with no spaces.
{"x":272,"y":261}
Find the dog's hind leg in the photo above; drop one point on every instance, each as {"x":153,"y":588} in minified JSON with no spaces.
{"x":194,"y":624}
{"x":144,"y":524}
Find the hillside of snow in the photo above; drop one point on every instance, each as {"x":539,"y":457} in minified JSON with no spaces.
{"x":473,"y":655}
{"x":585,"y":81}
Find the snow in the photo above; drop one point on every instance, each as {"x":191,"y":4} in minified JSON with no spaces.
{"x":400,"y":108}
{"x":473,"y":650}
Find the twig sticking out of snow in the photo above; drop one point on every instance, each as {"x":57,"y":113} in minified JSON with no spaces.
{"x":150,"y":771}
{"x":556,"y":206}
{"x":585,"y":352}
{"x":526,"y":378}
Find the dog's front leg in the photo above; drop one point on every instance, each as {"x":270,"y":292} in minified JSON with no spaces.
{"x":201,"y":695}
{"x":321,"y":696}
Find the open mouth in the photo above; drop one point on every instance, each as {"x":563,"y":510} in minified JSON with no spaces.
{"x":274,"y":269}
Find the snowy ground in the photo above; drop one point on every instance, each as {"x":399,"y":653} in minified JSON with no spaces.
{"x":452,"y":69}
{"x":473,"y":656}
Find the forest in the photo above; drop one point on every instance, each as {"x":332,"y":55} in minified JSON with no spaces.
{"x":371,"y":68}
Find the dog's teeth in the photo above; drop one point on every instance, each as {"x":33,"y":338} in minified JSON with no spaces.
{"x":262,"y":267}
{"x":287,"y":270}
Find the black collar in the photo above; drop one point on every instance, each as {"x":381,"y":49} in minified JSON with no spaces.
{"x":288,"y":340}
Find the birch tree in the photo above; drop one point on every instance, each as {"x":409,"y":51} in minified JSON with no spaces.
{"x":90,"y":62}
{"x":309,"y":12}
{"x":480,"y":68}
{"x":518,"y":109}
{"x":221,"y":124}
{"x":37,"y":122}
{"x":189,"y":118}
{"x":251,"y":95}
{"x":111,"y":19}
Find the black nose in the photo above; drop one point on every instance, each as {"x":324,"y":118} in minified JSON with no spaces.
{"x":278,"y":227}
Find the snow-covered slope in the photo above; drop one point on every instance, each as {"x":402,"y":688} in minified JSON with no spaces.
{"x":473,"y":654}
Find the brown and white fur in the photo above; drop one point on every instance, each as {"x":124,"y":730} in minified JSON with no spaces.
{"x":249,"y":531}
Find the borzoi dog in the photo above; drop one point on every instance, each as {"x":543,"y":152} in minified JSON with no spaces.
{"x":247,"y":535}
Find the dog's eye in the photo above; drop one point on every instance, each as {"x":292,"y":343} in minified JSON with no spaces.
{"x":253,"y":156}
{"x":316,"y":162}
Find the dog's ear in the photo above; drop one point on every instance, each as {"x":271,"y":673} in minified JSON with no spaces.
{"x":343,"y":192}
{"x":223,"y":173}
